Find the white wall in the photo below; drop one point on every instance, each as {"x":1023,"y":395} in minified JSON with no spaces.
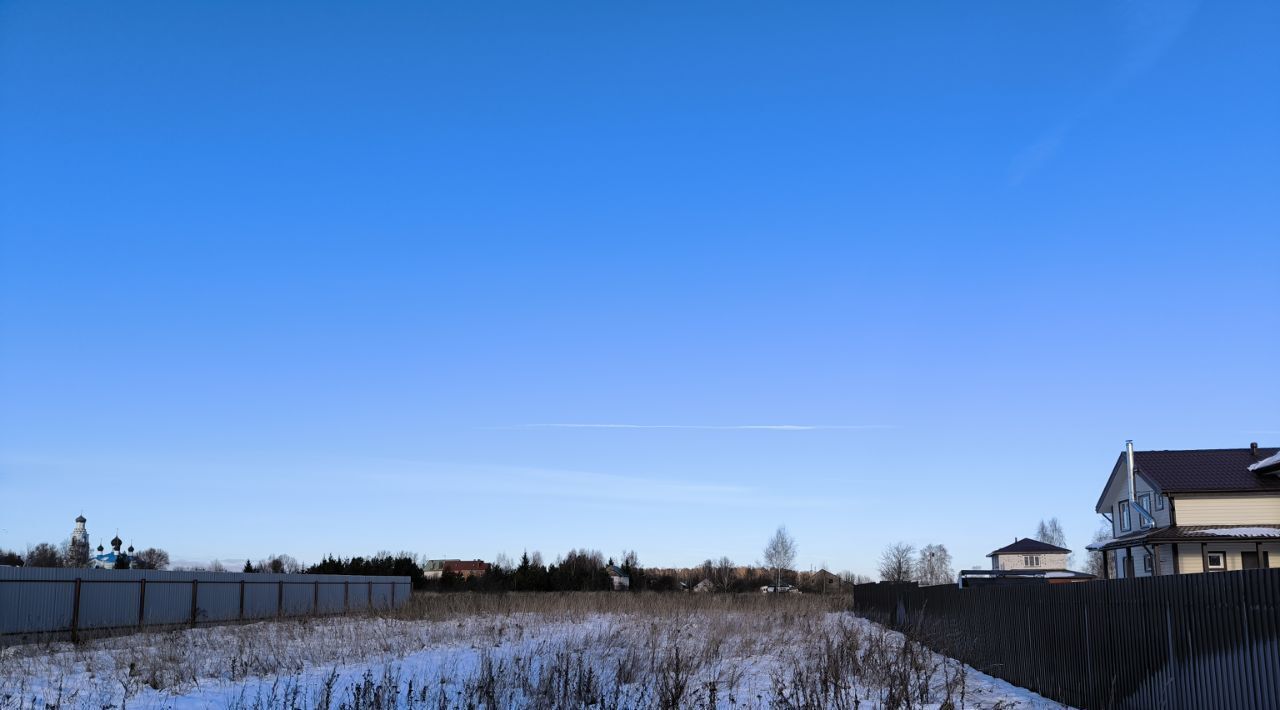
{"x":1056,"y":560}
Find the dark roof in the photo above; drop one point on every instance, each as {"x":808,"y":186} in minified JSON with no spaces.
{"x":1219,"y":532}
{"x":1208,"y":470}
{"x":1057,"y":573}
{"x":1027,"y":545}
{"x":1195,"y":533}
{"x":1199,"y":471}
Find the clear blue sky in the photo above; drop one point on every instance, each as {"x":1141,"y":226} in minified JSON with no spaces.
{"x":314,"y":277}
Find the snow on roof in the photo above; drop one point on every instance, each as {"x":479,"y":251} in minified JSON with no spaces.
{"x":1272,"y":460}
{"x":1239,"y":532}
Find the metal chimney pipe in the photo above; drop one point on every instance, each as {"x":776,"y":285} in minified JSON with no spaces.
{"x":1143,"y":513}
{"x":1133,"y":492}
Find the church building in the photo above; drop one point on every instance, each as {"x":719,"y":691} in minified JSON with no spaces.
{"x":100,"y":559}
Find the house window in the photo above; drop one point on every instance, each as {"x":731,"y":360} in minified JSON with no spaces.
{"x":1031,"y":560}
{"x":1124,"y":515}
{"x":1146,"y":563}
{"x":1161,"y":501}
{"x":1217,"y":561}
{"x":1144,"y":501}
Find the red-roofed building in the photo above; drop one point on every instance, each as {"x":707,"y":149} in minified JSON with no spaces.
{"x":464,"y":568}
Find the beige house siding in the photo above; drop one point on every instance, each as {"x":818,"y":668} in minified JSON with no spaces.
{"x":1190,"y":560}
{"x":1189,"y":557}
{"x":1228,"y":509}
{"x":1013,"y":561}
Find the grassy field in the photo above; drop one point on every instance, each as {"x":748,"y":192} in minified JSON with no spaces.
{"x":517,"y":650}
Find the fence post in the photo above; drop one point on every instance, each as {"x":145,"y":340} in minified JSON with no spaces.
{"x":371,"y":594}
{"x":75,"y":612}
{"x":142,"y":601}
{"x":280,"y":599}
{"x":242,"y":600}
{"x":315,"y":598}
{"x":393,"y":595}
{"x":195,"y":593}
{"x":346,"y":596}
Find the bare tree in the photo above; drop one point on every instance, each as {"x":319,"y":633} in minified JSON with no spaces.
{"x":897,"y":563}
{"x":217,"y":566}
{"x":43,"y":555}
{"x":780,"y":553}
{"x":150,"y":558}
{"x":1051,"y":532}
{"x":933,"y":566}
{"x":707,"y":570}
{"x":855,"y":578}
{"x":724,"y":573}
{"x":279,"y":564}
{"x":1094,"y":562}
{"x":503,"y":562}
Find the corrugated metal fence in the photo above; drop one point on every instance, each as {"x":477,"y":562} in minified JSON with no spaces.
{"x":38,"y":601}
{"x":1176,"y":641}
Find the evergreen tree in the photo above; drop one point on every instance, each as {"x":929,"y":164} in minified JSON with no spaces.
{"x":248,"y":567}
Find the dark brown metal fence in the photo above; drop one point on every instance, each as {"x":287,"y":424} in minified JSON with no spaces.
{"x":1177,"y":641}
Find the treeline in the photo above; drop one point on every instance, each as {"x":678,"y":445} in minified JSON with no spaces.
{"x":67,"y":555}
{"x":576,"y":571}
{"x":579,"y":570}
{"x":380,"y":565}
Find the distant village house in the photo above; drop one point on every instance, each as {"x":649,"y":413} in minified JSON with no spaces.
{"x":436,"y":569}
{"x":619,"y":579}
{"x":1025,"y":561}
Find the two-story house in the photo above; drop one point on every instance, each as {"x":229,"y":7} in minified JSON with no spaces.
{"x":1201,"y":510}
{"x":1026,"y":561}
{"x":1028,"y":554}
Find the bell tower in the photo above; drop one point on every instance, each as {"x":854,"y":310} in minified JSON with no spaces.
{"x":80,"y":536}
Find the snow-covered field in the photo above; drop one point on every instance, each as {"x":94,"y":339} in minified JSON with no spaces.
{"x":549,"y":651}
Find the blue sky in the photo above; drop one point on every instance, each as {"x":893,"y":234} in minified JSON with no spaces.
{"x":331,"y":277}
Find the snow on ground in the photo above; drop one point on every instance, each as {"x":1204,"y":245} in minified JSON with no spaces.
{"x":721,"y":659}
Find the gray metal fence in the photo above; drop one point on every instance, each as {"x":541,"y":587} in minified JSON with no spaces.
{"x":39,"y":601}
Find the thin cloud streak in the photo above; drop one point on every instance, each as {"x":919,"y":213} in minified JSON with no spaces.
{"x":1149,"y":28}
{"x":529,"y":483}
{"x":713,"y":427}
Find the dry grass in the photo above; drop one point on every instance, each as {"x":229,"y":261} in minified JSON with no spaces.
{"x":579,"y":605}
{"x":513,"y":650}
